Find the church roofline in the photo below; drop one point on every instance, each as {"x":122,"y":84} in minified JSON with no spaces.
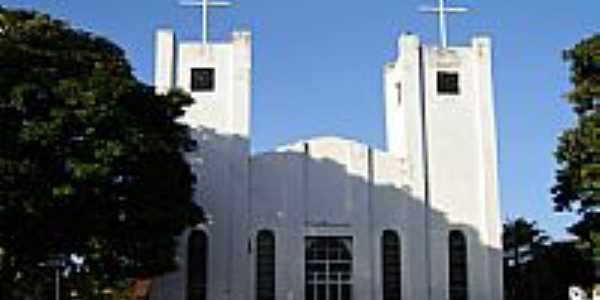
{"x":465,"y":44}
{"x":299,"y":145}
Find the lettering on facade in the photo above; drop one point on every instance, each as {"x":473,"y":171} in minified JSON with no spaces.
{"x":326,"y":224}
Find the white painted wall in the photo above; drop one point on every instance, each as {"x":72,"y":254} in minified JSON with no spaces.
{"x":335,"y":187}
{"x":439,"y":174}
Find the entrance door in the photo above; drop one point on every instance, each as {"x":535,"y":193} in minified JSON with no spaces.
{"x":328,"y":268}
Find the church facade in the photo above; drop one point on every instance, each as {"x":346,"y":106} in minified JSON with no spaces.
{"x":333,"y":219}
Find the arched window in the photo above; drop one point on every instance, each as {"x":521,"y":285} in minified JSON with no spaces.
{"x":197,"y":265}
{"x":458,"y":267}
{"x":391,"y":256}
{"x":265,"y":265}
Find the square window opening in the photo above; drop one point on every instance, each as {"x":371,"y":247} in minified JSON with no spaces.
{"x":203,"y":80}
{"x":448,"y":83}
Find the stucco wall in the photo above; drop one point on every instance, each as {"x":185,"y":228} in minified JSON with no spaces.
{"x":336,"y":187}
{"x":439,"y":174}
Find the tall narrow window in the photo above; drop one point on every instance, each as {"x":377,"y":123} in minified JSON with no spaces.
{"x":328,"y":268}
{"x":197,"y":265}
{"x":392,"y":266}
{"x":399,"y":91}
{"x":458,"y":268}
{"x":265,"y":265}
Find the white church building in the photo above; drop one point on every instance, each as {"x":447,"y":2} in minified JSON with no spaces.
{"x":334,"y":219}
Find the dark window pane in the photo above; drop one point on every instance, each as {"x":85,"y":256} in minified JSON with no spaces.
{"x":203,"y":80}
{"x":321,"y":292}
{"x":321,"y":254}
{"x":315,"y":267}
{"x":458,"y":268}
{"x":340,"y":267}
{"x":392,"y":267}
{"x":197,"y":265}
{"x":310,"y":292}
{"x":346,"y":292}
{"x":333,"y":292}
{"x":265,"y":265}
{"x":448,"y":83}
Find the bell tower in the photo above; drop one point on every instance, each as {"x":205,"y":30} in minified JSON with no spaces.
{"x":218,"y":76}
{"x":439,"y":105}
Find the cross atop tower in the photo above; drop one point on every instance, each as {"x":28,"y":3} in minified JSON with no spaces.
{"x":205,"y":5}
{"x":441,"y":11}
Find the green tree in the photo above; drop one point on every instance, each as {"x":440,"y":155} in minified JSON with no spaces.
{"x":522,"y":242}
{"x":521,"y":238}
{"x":577,"y":187}
{"x":91,"y":160}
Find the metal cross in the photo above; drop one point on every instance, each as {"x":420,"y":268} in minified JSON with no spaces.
{"x":441,"y":11}
{"x":205,"y":5}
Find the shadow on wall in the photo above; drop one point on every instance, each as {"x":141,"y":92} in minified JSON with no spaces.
{"x":327,"y":187}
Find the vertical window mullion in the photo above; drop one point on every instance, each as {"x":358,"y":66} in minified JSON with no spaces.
{"x":339,"y":286}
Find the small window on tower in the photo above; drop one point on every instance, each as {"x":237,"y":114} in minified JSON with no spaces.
{"x":399,"y":90}
{"x":448,"y":83}
{"x":203,"y":80}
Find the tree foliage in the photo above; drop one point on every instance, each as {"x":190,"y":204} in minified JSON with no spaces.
{"x":521,"y":239}
{"x":91,"y":160}
{"x":577,"y":185}
{"x":522,"y":234}
{"x":536,"y":268}
{"x":522,"y":242}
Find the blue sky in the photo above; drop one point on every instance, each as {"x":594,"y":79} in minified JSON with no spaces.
{"x":318,"y":66}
